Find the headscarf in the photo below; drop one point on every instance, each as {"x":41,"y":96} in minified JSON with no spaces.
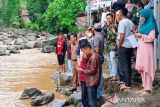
{"x":150,"y":23}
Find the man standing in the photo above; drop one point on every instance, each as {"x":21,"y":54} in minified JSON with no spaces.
{"x":103,"y":17}
{"x":97,"y":44}
{"x":111,"y":46}
{"x":74,"y":45}
{"x":124,"y":49}
{"x":69,"y":61}
{"x":93,"y":73}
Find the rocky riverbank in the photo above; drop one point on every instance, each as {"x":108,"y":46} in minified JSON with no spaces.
{"x":12,"y":40}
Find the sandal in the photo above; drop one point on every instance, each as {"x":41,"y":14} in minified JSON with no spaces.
{"x":144,"y":93}
{"x":138,"y":92}
{"x":125,"y":87}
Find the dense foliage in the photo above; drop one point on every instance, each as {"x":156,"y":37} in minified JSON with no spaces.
{"x":50,"y":15}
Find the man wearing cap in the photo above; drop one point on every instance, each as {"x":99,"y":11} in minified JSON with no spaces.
{"x":97,"y":44}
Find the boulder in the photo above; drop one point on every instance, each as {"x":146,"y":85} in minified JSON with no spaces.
{"x":22,"y":32}
{"x":43,"y":99}
{"x":48,"y":49}
{"x":75,"y":98}
{"x":19,"y":41}
{"x":31,"y":38}
{"x":25,"y":46}
{"x":14,"y":52}
{"x":66,"y":90}
{"x":3,"y":37}
{"x":38,"y":44}
{"x":62,"y":79}
{"x":2,"y":50}
{"x":32,"y":34}
{"x":13,"y":47}
{"x":51,"y":41}
{"x":31,"y":93}
{"x":57,"y":103}
{"x":8,"y":41}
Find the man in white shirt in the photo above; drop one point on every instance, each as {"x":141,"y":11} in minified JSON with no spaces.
{"x":103,"y":18}
{"x":125,"y":29}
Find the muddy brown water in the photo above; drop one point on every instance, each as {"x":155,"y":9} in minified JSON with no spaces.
{"x":31,"y":68}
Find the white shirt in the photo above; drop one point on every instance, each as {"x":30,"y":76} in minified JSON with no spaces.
{"x":103,"y":18}
{"x":125,"y":26}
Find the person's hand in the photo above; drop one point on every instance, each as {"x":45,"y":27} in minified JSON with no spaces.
{"x":79,"y":70}
{"x":118,"y":45}
{"x":113,"y":30}
{"x":137,"y":35}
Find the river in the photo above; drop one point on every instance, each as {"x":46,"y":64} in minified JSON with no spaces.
{"x":31,"y":68}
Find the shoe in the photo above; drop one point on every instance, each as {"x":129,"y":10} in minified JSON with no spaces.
{"x":73,"y":90}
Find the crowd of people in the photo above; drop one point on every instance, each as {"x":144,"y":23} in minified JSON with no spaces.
{"x":85,"y":52}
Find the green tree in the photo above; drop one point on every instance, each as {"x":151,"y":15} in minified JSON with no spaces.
{"x":60,"y":15}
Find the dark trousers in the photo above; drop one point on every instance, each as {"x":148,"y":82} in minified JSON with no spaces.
{"x":84,"y":94}
{"x":124,"y":65}
{"x":92,"y":96}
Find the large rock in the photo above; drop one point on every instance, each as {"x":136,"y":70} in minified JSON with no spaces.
{"x":48,"y":49}
{"x":57,"y":103}
{"x":8,"y":41}
{"x":75,"y":98}
{"x":19,"y":41}
{"x":66,"y":90}
{"x":22,"y":32}
{"x":52,"y":41}
{"x":30,"y":93}
{"x":32,"y":34}
{"x":14,"y":52}
{"x":13,"y":47}
{"x":38,"y":44}
{"x":43,"y":99}
{"x":25,"y":46}
{"x":31,"y":38}
{"x":2,"y":50}
{"x":3,"y":37}
{"x":62,"y":79}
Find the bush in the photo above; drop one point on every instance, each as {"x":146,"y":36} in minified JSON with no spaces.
{"x":15,"y":24}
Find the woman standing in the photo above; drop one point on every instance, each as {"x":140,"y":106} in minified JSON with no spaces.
{"x":145,"y":51}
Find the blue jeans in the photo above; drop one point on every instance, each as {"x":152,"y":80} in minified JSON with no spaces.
{"x":92,"y":93}
{"x":84,"y":94}
{"x":100,"y":88}
{"x":69,"y":64}
{"x":112,"y":63}
{"x":124,"y":65}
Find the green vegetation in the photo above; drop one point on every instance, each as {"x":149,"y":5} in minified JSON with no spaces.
{"x":49,"y":15}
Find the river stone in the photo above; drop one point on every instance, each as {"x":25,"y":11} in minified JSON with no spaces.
{"x":2,"y":50}
{"x":13,"y":47}
{"x":25,"y":46}
{"x":3,"y":37}
{"x":62,"y":79}
{"x":31,"y":34}
{"x":19,"y":41}
{"x":57,"y":103}
{"x":38,"y":44}
{"x":64,"y":90}
{"x":31,"y":38}
{"x":43,"y":99}
{"x":14,"y":52}
{"x":31,"y":93}
{"x":51,"y":41}
{"x":48,"y":49}
{"x":22,"y":32}
{"x":8,"y":42}
{"x":75,"y":98}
